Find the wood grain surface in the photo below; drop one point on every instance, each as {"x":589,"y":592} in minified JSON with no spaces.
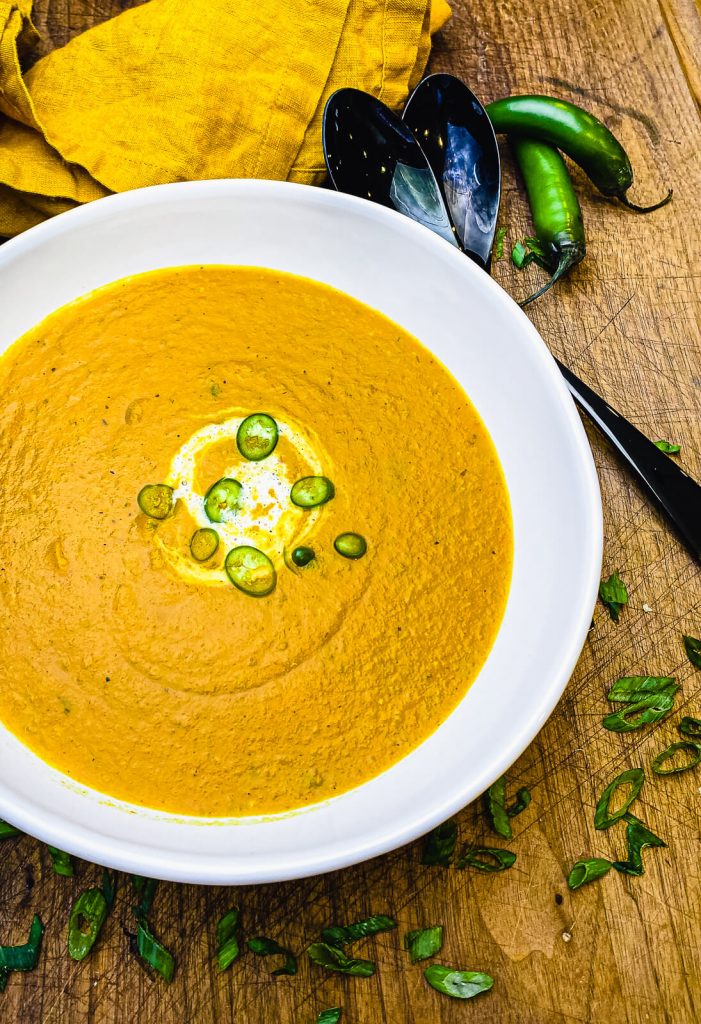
{"x":623,"y":949}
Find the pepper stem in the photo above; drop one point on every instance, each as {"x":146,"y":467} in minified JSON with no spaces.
{"x":568,"y":259}
{"x":645,"y":209}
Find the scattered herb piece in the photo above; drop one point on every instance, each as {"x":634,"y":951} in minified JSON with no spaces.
{"x":603,"y":816}
{"x":24,"y":957}
{"x":62,"y":863}
{"x":614,"y":594}
{"x":521,"y":802}
{"x":7,"y":831}
{"x":330,"y":1016}
{"x":499,"y":243}
{"x":638,"y":837}
{"x":458,"y":984}
{"x":519,"y":254}
{"x":588,"y":870}
{"x":423,"y":943}
{"x":688,"y":746}
{"x":439,"y":845}
{"x":667,"y":447}
{"x":227,"y":939}
{"x":334,"y":959}
{"x":630,"y":689}
{"x":109,"y":885}
{"x":530,"y":250}
{"x":257,"y":436}
{"x":156,"y":501}
{"x":692,"y":646}
{"x":153,"y":952}
{"x":145,"y":888}
{"x":690,"y":726}
{"x":644,"y":712}
{"x":340,"y":936}
{"x":495,"y":806}
{"x":487,"y":858}
{"x":269,"y":947}
{"x":88,"y":914}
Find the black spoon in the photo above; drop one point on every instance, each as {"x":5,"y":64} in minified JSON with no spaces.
{"x":454,"y":131}
{"x":371,"y":153}
{"x":365,"y":150}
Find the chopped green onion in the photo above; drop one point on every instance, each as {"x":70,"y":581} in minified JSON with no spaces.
{"x":350,"y":545}
{"x":692,"y":646}
{"x":499,"y":243}
{"x":204,"y":544}
{"x":487,"y":858}
{"x":312,"y":491}
{"x":302,"y":556}
{"x":334,"y":959}
{"x":639,"y":837}
{"x":26,"y":956}
{"x":667,"y":447}
{"x":457,"y":984}
{"x":7,"y":831}
{"x":495,"y":806}
{"x":156,"y":501}
{"x":338,"y":935}
{"x":688,"y":746}
{"x":690,"y":726}
{"x":330,"y":1016}
{"x":257,"y":436}
{"x":644,"y":712}
{"x":227,"y":939}
{"x":146,"y":889}
{"x":614,"y":594}
{"x":423,"y":943}
{"x":223,"y":500}
{"x":62,"y":863}
{"x":631,"y":689}
{"x":153,"y":952}
{"x":603,"y":817}
{"x":439,"y":845}
{"x":88,"y":914}
{"x":588,"y":870}
{"x":269,"y":947}
{"x":251,"y":571}
{"x":521,"y":802}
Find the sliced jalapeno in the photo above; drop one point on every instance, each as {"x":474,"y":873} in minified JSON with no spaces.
{"x":257,"y":436}
{"x":223,"y":500}
{"x":204,"y":543}
{"x":311,"y":491}
{"x":350,"y":545}
{"x":156,"y":501}
{"x":251,"y":571}
{"x":302,"y":556}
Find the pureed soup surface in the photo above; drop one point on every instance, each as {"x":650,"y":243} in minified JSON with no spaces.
{"x":141,"y":672}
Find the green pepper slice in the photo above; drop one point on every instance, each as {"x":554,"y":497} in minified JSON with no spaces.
{"x":223,"y":500}
{"x":251,"y":571}
{"x":204,"y":543}
{"x":312,"y":491}
{"x":350,"y":545}
{"x":257,"y":436}
{"x":156,"y":501}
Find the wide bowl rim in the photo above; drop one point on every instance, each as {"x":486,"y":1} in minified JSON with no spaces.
{"x":143,"y":858}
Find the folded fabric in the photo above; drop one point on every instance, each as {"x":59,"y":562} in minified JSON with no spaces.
{"x":173,"y":91}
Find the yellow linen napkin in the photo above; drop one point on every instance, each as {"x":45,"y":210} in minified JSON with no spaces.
{"x":173,"y":91}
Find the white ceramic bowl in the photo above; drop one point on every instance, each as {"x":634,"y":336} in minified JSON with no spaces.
{"x":490,"y":346}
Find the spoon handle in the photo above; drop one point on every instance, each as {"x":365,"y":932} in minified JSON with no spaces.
{"x":666,"y":482}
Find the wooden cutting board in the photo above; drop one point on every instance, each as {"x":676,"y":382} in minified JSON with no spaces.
{"x":621,"y":950}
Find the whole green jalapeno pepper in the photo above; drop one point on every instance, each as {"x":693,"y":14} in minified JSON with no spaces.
{"x":579,"y":134}
{"x":557,"y":216}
